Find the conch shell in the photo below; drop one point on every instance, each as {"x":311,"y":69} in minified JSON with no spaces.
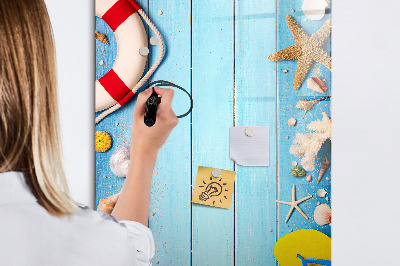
{"x":317,"y":85}
{"x":107,"y":204}
{"x":101,"y":37}
{"x":323,"y":214}
{"x":307,"y":105}
{"x":324,"y":166}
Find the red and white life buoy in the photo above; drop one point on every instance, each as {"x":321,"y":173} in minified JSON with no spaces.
{"x":117,"y":86}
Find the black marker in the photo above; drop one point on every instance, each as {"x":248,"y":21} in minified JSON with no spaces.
{"x":151,"y":109}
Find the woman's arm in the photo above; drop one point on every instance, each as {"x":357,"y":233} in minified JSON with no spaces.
{"x":134,"y":200}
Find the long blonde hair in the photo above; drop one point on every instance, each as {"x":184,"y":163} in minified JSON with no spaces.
{"x":29,"y":121}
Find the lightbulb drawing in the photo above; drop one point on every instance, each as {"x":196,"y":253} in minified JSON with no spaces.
{"x":213,"y":189}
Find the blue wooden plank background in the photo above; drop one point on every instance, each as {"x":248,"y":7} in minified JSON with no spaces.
{"x":218,"y":51}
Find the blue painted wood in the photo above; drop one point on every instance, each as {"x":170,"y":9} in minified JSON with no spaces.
{"x":212,"y":87}
{"x":255,"y":232}
{"x":218,"y":50}
{"x":171,"y":194}
{"x":288,"y":98}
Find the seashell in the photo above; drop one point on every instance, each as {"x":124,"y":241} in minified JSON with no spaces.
{"x":119,"y":161}
{"x":321,"y":193}
{"x":107,"y":204}
{"x":314,"y":9}
{"x":307,"y":105}
{"x":101,"y":37}
{"x":297,"y":171}
{"x":309,"y":178}
{"x":317,"y":85}
{"x":324,"y":166}
{"x":292,"y":122}
{"x":323,"y":214}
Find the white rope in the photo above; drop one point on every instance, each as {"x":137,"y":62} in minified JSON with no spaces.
{"x":148,"y":74}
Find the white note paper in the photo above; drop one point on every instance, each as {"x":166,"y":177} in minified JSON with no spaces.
{"x":249,"y":150}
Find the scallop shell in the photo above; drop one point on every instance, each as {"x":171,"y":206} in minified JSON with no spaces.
{"x":107,"y":204}
{"x":321,"y":193}
{"x":323,"y":214}
{"x":292,"y":122}
{"x":317,"y":85}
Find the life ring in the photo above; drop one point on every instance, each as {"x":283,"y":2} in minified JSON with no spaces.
{"x":117,"y":86}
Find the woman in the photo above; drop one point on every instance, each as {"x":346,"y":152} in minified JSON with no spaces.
{"x":39,"y":222}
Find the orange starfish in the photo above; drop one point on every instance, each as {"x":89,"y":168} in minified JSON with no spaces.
{"x":306,"y":49}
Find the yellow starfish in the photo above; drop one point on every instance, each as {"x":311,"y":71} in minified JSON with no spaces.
{"x":306,"y":49}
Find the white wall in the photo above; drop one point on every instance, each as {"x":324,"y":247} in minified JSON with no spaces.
{"x":73,"y":24}
{"x":366,"y":137}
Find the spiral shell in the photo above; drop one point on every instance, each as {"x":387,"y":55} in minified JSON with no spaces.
{"x":101,"y":37}
{"x":323,"y":214}
{"x":119,"y":161}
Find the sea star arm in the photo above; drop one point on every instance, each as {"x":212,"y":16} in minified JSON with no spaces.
{"x":283,"y":202}
{"x":298,"y":34}
{"x":289,"y":214}
{"x":289,"y":53}
{"x":322,"y":57}
{"x":322,"y":34}
{"x":298,"y":208}
{"x":303,"y":66}
{"x":306,"y":198}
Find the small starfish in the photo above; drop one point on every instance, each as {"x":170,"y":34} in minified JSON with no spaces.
{"x":294,"y":204}
{"x":306,"y":49}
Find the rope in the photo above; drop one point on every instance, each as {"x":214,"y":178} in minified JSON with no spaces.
{"x":148,"y":74}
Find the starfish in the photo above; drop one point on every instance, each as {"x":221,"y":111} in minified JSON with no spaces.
{"x":294,"y":204}
{"x":306,"y":49}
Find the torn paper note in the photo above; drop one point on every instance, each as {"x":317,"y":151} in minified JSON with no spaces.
{"x":249,"y":149}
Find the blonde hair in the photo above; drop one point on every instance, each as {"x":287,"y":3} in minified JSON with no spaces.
{"x":29,"y":122}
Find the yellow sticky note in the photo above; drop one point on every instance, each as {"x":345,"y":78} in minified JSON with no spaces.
{"x":214,"y":191}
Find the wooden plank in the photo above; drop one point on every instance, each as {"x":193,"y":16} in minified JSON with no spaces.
{"x":288,"y":98}
{"x":170,"y":190}
{"x":255,"y":103}
{"x":171,"y":181}
{"x":212,"y":86}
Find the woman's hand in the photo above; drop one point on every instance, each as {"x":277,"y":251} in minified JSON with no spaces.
{"x":134,"y":200}
{"x":148,"y":140}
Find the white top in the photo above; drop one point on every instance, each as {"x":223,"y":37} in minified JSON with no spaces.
{"x":31,"y":236}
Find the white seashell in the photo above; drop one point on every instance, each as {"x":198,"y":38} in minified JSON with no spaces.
{"x":323,"y":214}
{"x":321,"y":193}
{"x":309,"y":178}
{"x":314,"y":9}
{"x":292,"y":122}
{"x":294,"y":163}
{"x":317,"y":85}
{"x":119,"y":161}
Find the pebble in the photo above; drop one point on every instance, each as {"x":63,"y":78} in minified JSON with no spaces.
{"x":160,"y":12}
{"x":116,"y":123}
{"x":327,"y":198}
{"x":101,"y":63}
{"x":144,"y":51}
{"x":270,"y":230}
{"x":152,"y":213}
{"x":309,"y":178}
{"x":292,"y":122}
{"x":287,"y":137}
{"x":318,"y":203}
{"x":110,"y":186}
{"x":294,"y":163}
{"x":327,"y":178}
{"x":285,"y":71}
{"x":292,"y":10}
{"x":154,"y":41}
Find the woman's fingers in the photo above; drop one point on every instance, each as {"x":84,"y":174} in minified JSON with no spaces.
{"x":167,"y":95}
{"x":141,"y":102}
